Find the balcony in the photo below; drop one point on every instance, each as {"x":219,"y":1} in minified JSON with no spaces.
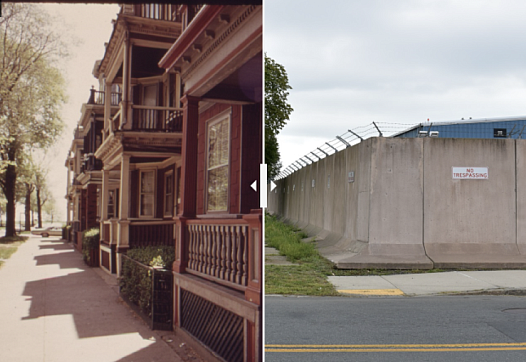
{"x":97,"y":97}
{"x":90,"y":163}
{"x":152,"y":119}
{"x":166,"y":12}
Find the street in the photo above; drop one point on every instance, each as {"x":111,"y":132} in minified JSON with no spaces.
{"x":431,"y":328}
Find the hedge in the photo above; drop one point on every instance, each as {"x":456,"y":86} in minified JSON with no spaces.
{"x":90,"y":241}
{"x":135,"y":281}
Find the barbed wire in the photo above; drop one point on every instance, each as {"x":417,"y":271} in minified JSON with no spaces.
{"x":347,"y":139}
{"x":515,"y":130}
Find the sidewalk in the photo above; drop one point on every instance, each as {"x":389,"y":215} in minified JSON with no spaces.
{"x":454,"y":282}
{"x":54,"y":308}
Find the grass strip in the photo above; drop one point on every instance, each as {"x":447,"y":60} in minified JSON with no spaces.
{"x":9,"y":245}
{"x":310,"y":276}
{"x":307,"y":278}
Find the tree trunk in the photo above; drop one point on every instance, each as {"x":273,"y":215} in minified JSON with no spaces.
{"x":28,"y":207}
{"x":10,"y":183}
{"x":39,"y":208}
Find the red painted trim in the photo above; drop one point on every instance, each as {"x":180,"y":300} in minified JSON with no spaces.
{"x":190,"y":35}
{"x":227,"y":59}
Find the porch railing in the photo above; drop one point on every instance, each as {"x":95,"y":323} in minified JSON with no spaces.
{"x":90,"y":163}
{"x":167,"y":12}
{"x":151,"y":233}
{"x":150,"y":118}
{"x":97,"y":97}
{"x":219,"y":252}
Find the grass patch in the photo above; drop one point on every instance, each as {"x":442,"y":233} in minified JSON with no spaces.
{"x":12,"y":239}
{"x":296,"y":280}
{"x":310,"y":276}
{"x":6,"y":252}
{"x":287,"y":240}
{"x":307,"y":278}
{"x":9,"y":245}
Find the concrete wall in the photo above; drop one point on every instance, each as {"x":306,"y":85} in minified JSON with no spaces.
{"x":404,"y":209}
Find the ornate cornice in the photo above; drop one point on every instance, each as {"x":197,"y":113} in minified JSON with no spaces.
{"x":227,"y":33}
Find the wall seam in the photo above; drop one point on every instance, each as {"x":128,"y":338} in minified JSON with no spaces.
{"x":516,"y":201}
{"x":423,"y":201}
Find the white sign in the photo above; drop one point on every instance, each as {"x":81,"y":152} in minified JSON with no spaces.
{"x":350,"y":176}
{"x":470,"y":173}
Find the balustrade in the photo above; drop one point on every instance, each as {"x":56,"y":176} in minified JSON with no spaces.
{"x":218,"y":251}
{"x":97,"y":97}
{"x":90,"y":163}
{"x":167,"y":12}
{"x":157,"y":119}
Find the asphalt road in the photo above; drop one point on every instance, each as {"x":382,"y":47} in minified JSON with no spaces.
{"x":436,"y":328}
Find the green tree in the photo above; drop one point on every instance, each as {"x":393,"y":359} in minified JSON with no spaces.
{"x":31,"y":92}
{"x":277,"y":112}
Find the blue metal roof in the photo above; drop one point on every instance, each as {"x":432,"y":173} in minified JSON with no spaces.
{"x":503,"y":127}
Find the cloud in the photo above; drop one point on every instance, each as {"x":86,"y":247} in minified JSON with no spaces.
{"x":354,"y":62}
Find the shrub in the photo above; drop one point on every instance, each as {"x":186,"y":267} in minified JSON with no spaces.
{"x":90,"y":241}
{"x":136,"y":281}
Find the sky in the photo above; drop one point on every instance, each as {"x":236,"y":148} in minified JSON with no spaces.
{"x":395,"y":63}
{"x":89,"y":27}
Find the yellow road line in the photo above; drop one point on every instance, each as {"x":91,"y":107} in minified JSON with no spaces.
{"x":372,"y":291}
{"x":469,"y":347}
{"x":400,"y":350}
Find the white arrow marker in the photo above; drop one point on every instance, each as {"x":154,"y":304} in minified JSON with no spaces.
{"x":254,"y":185}
{"x":272,"y":185}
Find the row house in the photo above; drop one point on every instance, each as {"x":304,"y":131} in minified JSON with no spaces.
{"x":218,"y":264}
{"x":141,"y":142}
{"x":168,"y":153}
{"x":84,"y":170}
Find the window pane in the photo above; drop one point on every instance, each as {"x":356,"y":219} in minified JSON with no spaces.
{"x":218,"y":189}
{"x":147,"y":193}
{"x":218,"y":144}
{"x":147,"y":205}
{"x":168,"y":194}
{"x":147,"y":182}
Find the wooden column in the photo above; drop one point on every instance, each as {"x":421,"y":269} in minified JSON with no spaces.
{"x":255,"y":257}
{"x":68,"y":185}
{"x":123,"y":238}
{"x":188,"y":177}
{"x":253,"y":293}
{"x":107,"y":107}
{"x":126,"y":115}
{"x":104,"y":232}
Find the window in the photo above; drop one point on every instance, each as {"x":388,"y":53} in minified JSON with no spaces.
{"x":499,"y":133}
{"x":217,"y":165}
{"x":168,"y":193}
{"x":147,"y":189}
{"x":178,"y":191}
{"x":113,"y":203}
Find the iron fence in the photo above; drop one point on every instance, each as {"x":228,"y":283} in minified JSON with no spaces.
{"x":152,"y":296}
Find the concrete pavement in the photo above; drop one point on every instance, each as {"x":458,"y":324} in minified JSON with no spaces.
{"x":272,"y":257}
{"x":55,"y":308}
{"x":494,"y":282}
